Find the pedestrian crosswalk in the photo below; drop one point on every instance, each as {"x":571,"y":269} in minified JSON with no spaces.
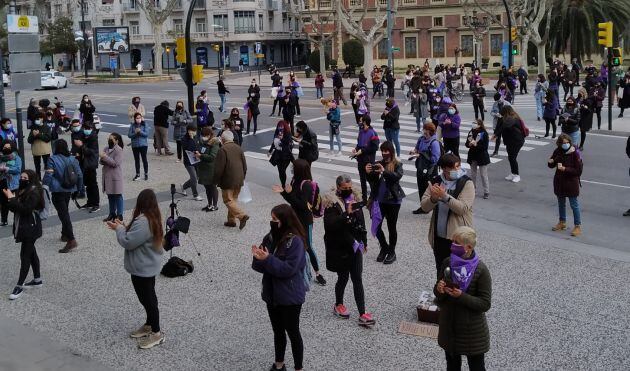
{"x":336,"y":164}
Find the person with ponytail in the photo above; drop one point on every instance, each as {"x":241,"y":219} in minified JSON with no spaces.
{"x":142,"y":241}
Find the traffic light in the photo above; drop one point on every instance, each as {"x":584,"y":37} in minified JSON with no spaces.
{"x":180,"y":49}
{"x":514,"y":49}
{"x":197,"y":73}
{"x":617,"y":56}
{"x":605,"y":34}
{"x":513,"y":34}
{"x":216,"y":47}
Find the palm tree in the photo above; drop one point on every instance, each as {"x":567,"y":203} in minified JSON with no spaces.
{"x":575,"y":25}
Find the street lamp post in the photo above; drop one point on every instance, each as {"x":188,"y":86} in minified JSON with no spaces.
{"x":390,"y":52}
{"x":223,"y":46}
{"x":168,"y":60}
{"x":85,"y":40}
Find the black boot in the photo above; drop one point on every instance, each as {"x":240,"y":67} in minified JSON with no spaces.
{"x":381,"y":255}
{"x":391,"y":257}
{"x":418,"y":211}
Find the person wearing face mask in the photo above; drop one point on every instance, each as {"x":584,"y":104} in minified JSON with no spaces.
{"x":365,"y":151}
{"x":510,"y":127}
{"x":230,"y":170}
{"x":570,"y":79}
{"x":222,"y":90}
{"x":296,"y":88}
{"x":391,"y":125}
{"x":550,"y":113}
{"x":497,"y":106}
{"x":319,"y":85}
{"x":334,"y":127}
{"x":387,"y":196}
{"x":624,"y":101}
{"x":253,"y":100}
{"x":420,"y":104}
{"x":139,"y":145}
{"x":450,"y":196}
{"x":599,"y":94}
{"x":135,"y":107}
{"x":191,"y":149}
{"x":7,"y":132}
{"x":464,"y":293}
{"x":87,"y":109}
{"x":39,"y":138}
{"x":540,"y":90}
{"x":181,"y":120}
{"x":345,"y":238}
{"x":566,"y":182}
{"x":427,"y":153}
{"x":449,"y":123}
{"x":32,"y":113}
{"x":208,"y":149}
{"x":112,"y":158}
{"x":85,"y":146}
{"x":478,"y":92}
{"x":522,"y":79}
{"x":61,"y":193}
{"x":281,"y":259}
{"x":585,"y":104}
{"x":478,"y":158}
{"x":25,"y":203}
{"x":306,"y":140}
{"x":54,"y":126}
{"x":289,"y":107}
{"x":237,"y":123}
{"x":280,"y":152}
{"x":202,"y":108}
{"x":10,"y":167}
{"x":570,"y":120}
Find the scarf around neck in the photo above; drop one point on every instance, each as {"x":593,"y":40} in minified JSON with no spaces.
{"x":463,"y":270}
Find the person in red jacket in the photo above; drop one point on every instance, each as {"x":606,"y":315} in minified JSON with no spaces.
{"x":567,"y":161}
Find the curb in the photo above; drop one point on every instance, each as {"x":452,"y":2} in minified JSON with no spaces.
{"x":124,"y":80}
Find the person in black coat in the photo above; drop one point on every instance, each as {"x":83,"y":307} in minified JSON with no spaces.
{"x":478,"y":92}
{"x":191,"y":148}
{"x":85,"y":148}
{"x":289,"y":108}
{"x":161,"y":115}
{"x":87,"y":109}
{"x":478,"y":157}
{"x":509,"y":128}
{"x":307,"y":142}
{"x":586,"y":104}
{"x":27,"y":227}
{"x":280,"y":152}
{"x":253,"y":100}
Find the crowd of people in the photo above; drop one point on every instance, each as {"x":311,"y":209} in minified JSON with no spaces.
{"x":212,"y":156}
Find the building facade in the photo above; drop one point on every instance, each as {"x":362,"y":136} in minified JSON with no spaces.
{"x":236,"y":24}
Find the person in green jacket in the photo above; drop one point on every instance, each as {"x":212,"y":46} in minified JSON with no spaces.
{"x":207,"y":153}
{"x":463,"y":292}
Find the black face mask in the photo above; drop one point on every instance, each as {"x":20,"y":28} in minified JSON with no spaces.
{"x":110,"y":143}
{"x":275,"y":230}
{"x":7,"y":151}
{"x":345,"y":193}
{"x":24,"y":183}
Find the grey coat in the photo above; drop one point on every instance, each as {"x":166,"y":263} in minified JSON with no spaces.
{"x":422,"y":106}
{"x":112,"y":171}
{"x":142,"y":259}
{"x":180,"y":120}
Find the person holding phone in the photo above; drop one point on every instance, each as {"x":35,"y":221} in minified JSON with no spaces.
{"x":385,"y":178}
{"x":281,"y":258}
{"x":478,"y":158}
{"x":139,"y":144}
{"x":191,"y":148}
{"x":365,"y":151}
{"x":281,"y":150}
{"x":112,"y":158}
{"x":567,"y":161}
{"x":142,"y":241}
{"x":10,"y":167}
{"x":464,"y":293}
{"x":345,"y":238}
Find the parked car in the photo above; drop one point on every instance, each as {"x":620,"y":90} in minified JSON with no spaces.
{"x":6,"y":80}
{"x":53,"y":79}
{"x":119,"y":43}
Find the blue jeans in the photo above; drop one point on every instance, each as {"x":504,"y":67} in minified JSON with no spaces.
{"x":575,"y":206}
{"x":320,"y":92}
{"x":115,"y":204}
{"x":575,"y":138}
{"x":539,"y":105}
{"x":334,"y":136}
{"x":392,"y":136}
{"x":420,"y":122}
{"x":222,"y":102}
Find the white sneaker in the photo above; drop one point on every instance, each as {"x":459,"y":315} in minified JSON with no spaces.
{"x":182,"y":190}
{"x":198,"y":198}
{"x":338,"y":153}
{"x":509,"y":177}
{"x":516,"y":179}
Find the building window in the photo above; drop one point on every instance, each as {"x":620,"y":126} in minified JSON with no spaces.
{"x":438,"y":47}
{"x":324,"y":4}
{"x":57,"y":10}
{"x":409,"y":2}
{"x":178,"y":25}
{"x":200,"y":25}
{"x":438,"y":1}
{"x":260,"y":22}
{"x":220,"y":22}
{"x":109,"y":22}
{"x":85,"y":7}
{"x":355,"y":3}
{"x":467,"y":46}
{"x":382,"y":49}
{"x":410,"y":47}
{"x":410,"y":23}
{"x":135,"y":27}
{"x":382,"y":2}
{"x":244,"y":22}
{"x":438,"y":21}
{"x":496,"y":44}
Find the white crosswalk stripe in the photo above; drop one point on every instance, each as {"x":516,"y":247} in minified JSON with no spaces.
{"x":338,"y":164}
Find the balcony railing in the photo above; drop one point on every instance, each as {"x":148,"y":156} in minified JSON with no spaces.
{"x":130,"y":7}
{"x":213,"y":36}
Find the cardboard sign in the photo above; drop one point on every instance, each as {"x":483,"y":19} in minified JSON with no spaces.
{"x":419,"y":329}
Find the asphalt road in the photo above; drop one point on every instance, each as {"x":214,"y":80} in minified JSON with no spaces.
{"x":529,"y":205}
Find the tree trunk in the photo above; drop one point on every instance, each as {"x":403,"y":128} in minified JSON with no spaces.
{"x":524,"y":44}
{"x":157,"y":49}
{"x":368,"y":55}
{"x":322,"y":59}
{"x":542,"y":56}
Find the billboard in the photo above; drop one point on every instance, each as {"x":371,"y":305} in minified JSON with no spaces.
{"x":111,"y":39}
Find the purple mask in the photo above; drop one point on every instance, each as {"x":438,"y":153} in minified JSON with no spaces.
{"x":457,"y":249}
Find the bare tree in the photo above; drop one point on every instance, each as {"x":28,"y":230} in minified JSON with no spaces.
{"x":320,"y":19}
{"x":527,"y":16}
{"x":157,"y":16}
{"x":353,"y":24}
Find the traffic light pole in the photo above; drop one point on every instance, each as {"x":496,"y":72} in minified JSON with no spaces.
{"x":509,"y":19}
{"x":610,"y":88}
{"x":188,"y":70}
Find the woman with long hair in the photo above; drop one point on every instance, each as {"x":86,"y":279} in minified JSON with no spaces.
{"x":142,"y":241}
{"x":478,"y":157}
{"x":235,"y":117}
{"x":281,"y":259}
{"x":300,"y":194}
{"x":567,"y":162}
{"x":509,"y":127}
{"x":385,"y":177}
{"x":111,"y":159}
{"x":280,"y":150}
{"x":550,"y":112}
{"x":27,"y":227}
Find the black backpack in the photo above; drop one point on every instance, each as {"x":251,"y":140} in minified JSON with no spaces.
{"x":176,"y":267}
{"x":69,"y":178}
{"x":423,"y":162}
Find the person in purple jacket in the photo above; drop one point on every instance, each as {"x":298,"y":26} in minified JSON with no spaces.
{"x":449,"y":123}
{"x":428,"y":147}
{"x":281,"y":259}
{"x":365,"y":151}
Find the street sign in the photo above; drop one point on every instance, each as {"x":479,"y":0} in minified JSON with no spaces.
{"x":22,"y":24}
{"x":26,"y":80}
{"x":23,"y":43}
{"x":395,"y":49}
{"x":258,"y":48}
{"x":260,"y":55}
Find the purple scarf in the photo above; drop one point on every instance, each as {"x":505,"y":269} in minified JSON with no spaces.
{"x":377,"y":217}
{"x":462,"y":270}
